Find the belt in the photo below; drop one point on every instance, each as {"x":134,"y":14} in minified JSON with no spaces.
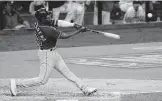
{"x":50,"y":49}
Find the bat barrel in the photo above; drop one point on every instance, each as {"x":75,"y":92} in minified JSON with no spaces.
{"x":115,"y":36}
{"x":111,"y":35}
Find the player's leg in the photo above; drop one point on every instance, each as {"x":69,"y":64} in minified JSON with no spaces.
{"x":46,"y":66}
{"x":65,"y":71}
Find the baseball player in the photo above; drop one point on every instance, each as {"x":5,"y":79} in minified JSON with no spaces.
{"x":47,"y":34}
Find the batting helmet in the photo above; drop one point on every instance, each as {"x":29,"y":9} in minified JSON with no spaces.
{"x":41,"y":14}
{"x":136,"y":2}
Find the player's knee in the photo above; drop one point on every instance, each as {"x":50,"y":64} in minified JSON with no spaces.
{"x":42,"y":81}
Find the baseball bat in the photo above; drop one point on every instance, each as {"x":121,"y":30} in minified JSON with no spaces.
{"x":111,"y":35}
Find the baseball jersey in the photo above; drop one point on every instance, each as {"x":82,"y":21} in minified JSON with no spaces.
{"x":47,"y":34}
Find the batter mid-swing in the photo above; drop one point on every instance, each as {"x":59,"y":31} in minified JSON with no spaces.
{"x":46,"y":36}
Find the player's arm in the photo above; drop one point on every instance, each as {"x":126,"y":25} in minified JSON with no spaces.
{"x":62,"y":23}
{"x":68,"y":35}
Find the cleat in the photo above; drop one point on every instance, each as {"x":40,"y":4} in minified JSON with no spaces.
{"x":88,"y":90}
{"x":13,"y":88}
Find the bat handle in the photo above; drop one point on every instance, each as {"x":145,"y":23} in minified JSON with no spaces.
{"x":88,"y":29}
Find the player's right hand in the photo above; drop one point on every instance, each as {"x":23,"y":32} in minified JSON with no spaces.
{"x":77,"y":26}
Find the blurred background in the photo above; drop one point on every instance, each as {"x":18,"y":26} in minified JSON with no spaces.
{"x":15,"y":14}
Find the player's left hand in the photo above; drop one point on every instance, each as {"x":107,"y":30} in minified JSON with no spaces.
{"x":83,"y":29}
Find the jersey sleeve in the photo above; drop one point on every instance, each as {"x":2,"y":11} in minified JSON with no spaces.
{"x":60,"y":23}
{"x":56,"y":33}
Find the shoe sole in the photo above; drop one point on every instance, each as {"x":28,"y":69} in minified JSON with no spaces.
{"x":91,"y":92}
{"x":12,"y":82}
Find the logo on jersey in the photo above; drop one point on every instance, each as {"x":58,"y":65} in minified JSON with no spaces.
{"x":39,"y":35}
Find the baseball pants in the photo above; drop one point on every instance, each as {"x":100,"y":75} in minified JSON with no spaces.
{"x":48,"y":61}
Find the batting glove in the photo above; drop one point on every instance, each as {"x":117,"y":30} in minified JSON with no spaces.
{"x":83,"y":29}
